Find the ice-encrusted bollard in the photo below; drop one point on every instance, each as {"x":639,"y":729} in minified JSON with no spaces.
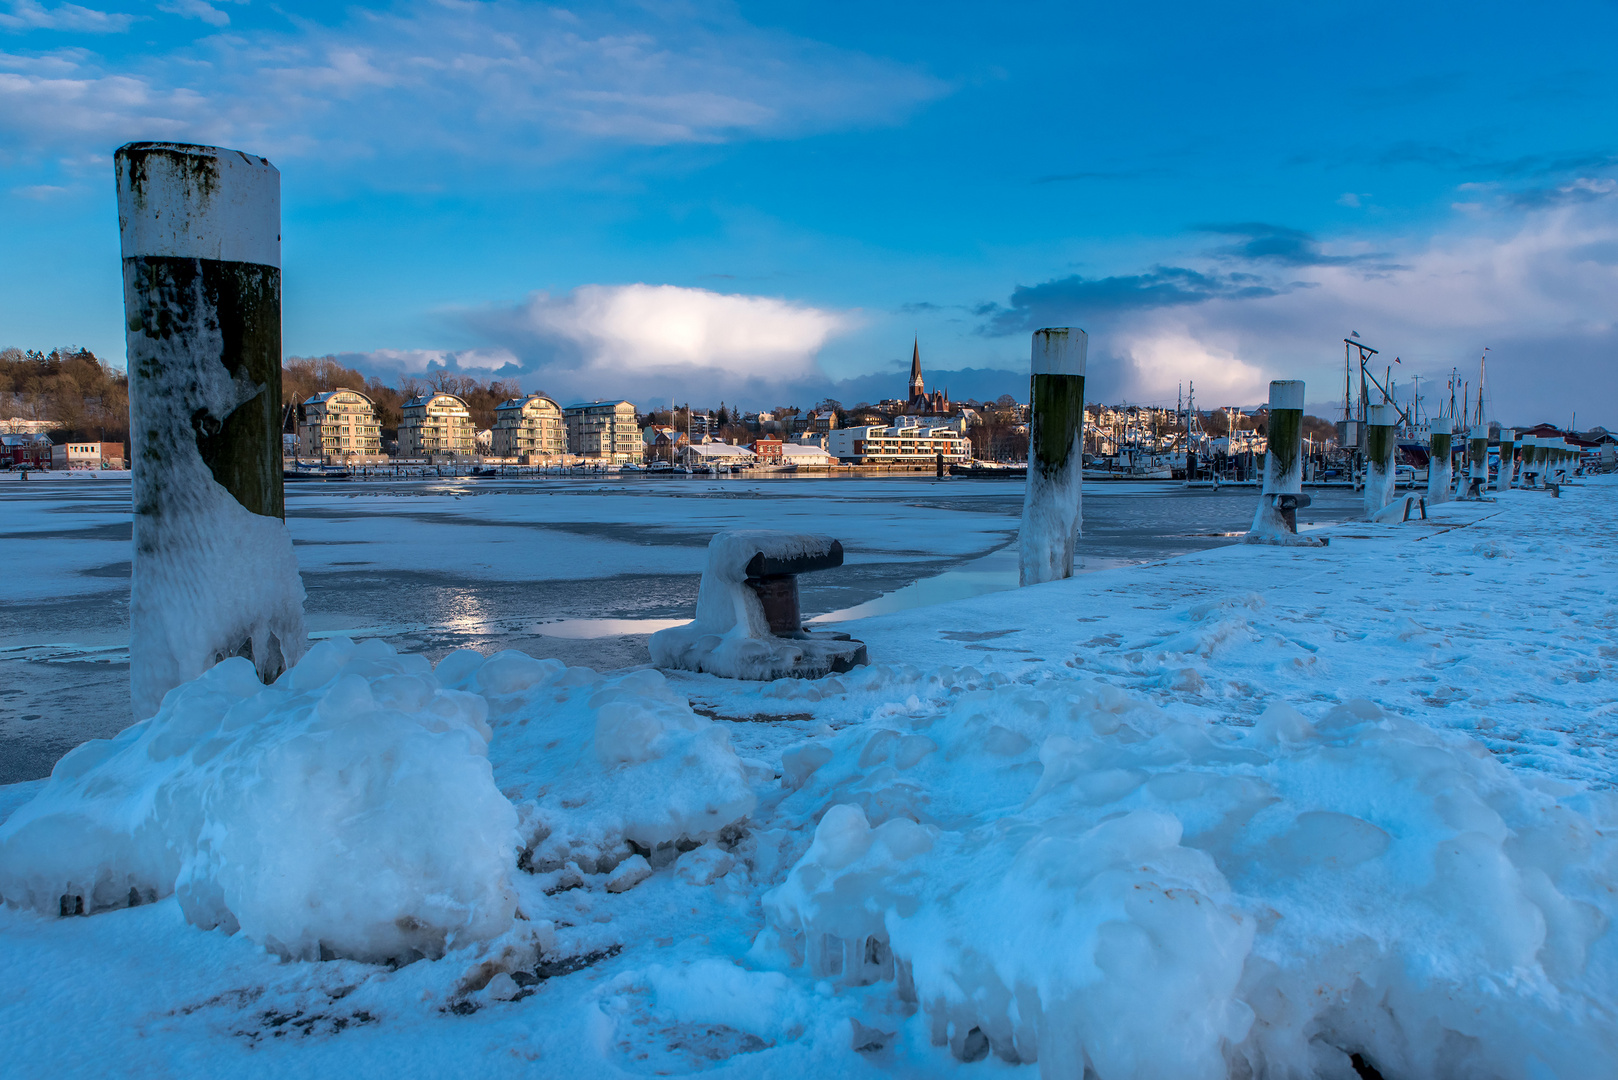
{"x":1276,"y":521}
{"x":1440,"y":477}
{"x":1508,"y":459}
{"x":748,"y":624}
{"x":214,"y":574}
{"x":1477,"y":462}
{"x":1052,"y":510}
{"x":1379,"y":446}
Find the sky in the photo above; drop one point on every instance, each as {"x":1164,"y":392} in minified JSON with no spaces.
{"x":767,"y":203}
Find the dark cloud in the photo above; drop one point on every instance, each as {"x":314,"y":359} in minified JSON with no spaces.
{"x":1076,"y":299}
{"x":1259,"y":241}
{"x":1583,"y":190}
{"x":916,"y":307}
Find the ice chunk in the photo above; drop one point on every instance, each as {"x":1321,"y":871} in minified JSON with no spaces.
{"x":347,"y":810}
{"x":600,"y":761}
{"x":1109,"y":890}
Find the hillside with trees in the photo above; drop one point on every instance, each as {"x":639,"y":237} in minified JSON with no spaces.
{"x":80,"y":394}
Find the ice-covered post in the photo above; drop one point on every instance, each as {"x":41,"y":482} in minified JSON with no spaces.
{"x":1439,"y":477}
{"x":1530,"y":460}
{"x":1379,"y":445}
{"x":1051,"y":509}
{"x":1477,"y":460}
{"x":1508,"y":459}
{"x":1277,"y":518}
{"x":214,"y":575}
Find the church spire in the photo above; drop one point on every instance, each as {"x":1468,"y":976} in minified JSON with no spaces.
{"x":917,"y":387}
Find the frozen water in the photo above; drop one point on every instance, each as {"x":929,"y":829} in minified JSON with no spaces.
{"x":1254,"y":811}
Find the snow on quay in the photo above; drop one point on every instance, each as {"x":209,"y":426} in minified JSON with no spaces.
{"x":1253,"y":812}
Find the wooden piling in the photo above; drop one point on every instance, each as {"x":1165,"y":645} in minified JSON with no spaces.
{"x":213,"y":572}
{"x":1052,"y":509}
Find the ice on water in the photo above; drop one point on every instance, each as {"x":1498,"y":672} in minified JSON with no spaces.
{"x":1216,"y":869}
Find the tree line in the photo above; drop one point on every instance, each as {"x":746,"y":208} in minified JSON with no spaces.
{"x":82,"y":396}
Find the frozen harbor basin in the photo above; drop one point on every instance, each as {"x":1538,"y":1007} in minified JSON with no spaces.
{"x":1245,"y":811}
{"x":580,"y":570}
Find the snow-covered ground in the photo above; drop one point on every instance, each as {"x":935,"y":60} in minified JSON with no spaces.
{"x":1252,"y":812}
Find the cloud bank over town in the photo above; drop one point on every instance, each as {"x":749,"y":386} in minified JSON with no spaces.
{"x":1533,"y":284}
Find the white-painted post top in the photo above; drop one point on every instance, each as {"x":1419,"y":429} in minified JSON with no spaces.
{"x":1286,"y":394}
{"x":198,"y":202}
{"x":1480,"y":432}
{"x":1381,"y":416}
{"x":1060,"y":351}
{"x":1508,"y":434}
{"x":1441,"y":425}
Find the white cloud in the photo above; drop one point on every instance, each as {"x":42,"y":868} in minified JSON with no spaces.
{"x":501,"y":82}
{"x":31,"y":15}
{"x":197,"y":9}
{"x":644,"y":342}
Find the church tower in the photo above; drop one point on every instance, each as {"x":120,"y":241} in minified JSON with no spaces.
{"x":917,"y":387}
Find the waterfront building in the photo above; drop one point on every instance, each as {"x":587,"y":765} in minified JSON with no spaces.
{"x":603,"y":430}
{"x":716,"y":454}
{"x":437,"y":425}
{"x":905,"y":442}
{"x":767,"y":450}
{"x":805,"y":456}
{"x":340,"y":427}
{"x":528,"y":428}
{"x":86,"y":455}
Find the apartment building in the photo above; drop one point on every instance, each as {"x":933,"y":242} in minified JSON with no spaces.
{"x":436,"y":426}
{"x":529,"y":428}
{"x":340,"y":427}
{"x":604,"y":430}
{"x":899,"y":444}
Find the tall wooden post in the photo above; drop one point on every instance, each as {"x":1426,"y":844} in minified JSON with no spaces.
{"x":1052,"y":512}
{"x":1276,"y":520}
{"x":1508,"y":459}
{"x":1379,"y":447}
{"x":1440,"y":478}
{"x":1477,"y":457}
{"x":214,"y":574}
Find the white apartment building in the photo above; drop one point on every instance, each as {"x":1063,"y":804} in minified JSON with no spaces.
{"x":340,"y":426}
{"x":529,"y":427}
{"x":900,"y":444}
{"x":604,"y":430}
{"x":436,"y":426}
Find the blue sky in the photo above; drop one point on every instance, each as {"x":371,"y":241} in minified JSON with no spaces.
{"x":765,"y":202}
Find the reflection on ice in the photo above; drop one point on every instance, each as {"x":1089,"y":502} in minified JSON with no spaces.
{"x":602,"y":628}
{"x":995,"y":572}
